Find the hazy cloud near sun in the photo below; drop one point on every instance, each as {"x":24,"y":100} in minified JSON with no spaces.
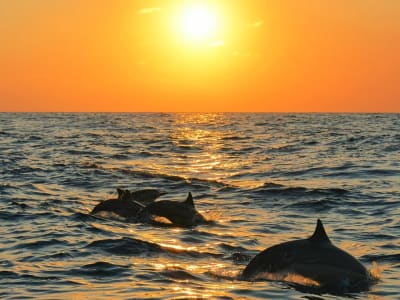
{"x":257,"y":23}
{"x":149,"y":10}
{"x":217,"y":43}
{"x":141,"y":62}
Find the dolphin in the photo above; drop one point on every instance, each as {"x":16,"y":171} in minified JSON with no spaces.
{"x":122,"y":206}
{"x":315,"y":258}
{"x":178,"y":213}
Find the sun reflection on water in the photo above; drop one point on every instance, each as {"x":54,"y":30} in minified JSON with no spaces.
{"x":201,"y":147}
{"x":184,"y":277}
{"x":206,"y":148}
{"x":197,"y":147}
{"x":376,"y":270}
{"x":190,"y":293}
{"x":172,"y":246}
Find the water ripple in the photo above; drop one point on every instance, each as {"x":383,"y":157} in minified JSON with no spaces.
{"x":263,"y":179}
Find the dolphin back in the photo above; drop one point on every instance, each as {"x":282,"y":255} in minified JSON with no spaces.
{"x":178,"y":213}
{"x":123,"y":208}
{"x":315,"y":258}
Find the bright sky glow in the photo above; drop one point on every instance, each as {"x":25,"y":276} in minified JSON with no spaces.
{"x":198,"y":22}
{"x":200,"y":55}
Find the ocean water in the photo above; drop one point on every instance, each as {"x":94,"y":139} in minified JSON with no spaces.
{"x":262,"y":178}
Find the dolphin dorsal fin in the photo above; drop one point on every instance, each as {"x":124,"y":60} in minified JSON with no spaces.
{"x":123,"y":195}
{"x":319,"y":234}
{"x":189,"y":199}
{"x":120,"y":193}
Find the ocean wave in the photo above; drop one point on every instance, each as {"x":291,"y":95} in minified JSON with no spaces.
{"x":34,"y":138}
{"x":25,"y":279}
{"x":392,"y":148}
{"x":177,"y":274}
{"x":24,"y":169}
{"x":382,"y":172}
{"x":285,"y":148}
{"x":20,"y":205}
{"x":5,"y":133}
{"x":281,"y":190}
{"x":145,"y":154}
{"x":231,"y":248}
{"x":148,"y":175}
{"x":40,"y":244}
{"x":321,"y":205}
{"x":8,"y":275}
{"x":171,"y":177}
{"x":381,"y":258}
{"x":235,"y":138}
{"x":131,"y":246}
{"x":362,"y":173}
{"x":101,"y":269}
{"x":126,"y":246}
{"x":22,"y":214}
{"x":119,"y":156}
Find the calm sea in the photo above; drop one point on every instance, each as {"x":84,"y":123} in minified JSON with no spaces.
{"x":262,"y":178}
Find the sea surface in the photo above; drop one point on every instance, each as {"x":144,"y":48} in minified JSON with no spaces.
{"x":261,"y":178}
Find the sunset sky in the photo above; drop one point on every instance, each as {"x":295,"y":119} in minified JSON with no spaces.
{"x":215,"y":55}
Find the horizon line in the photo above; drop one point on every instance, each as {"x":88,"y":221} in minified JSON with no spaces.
{"x":209,"y":112}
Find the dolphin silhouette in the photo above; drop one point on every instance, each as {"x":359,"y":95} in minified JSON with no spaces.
{"x":177,"y":212}
{"x":128,"y":204}
{"x":122,"y":206}
{"x":316,"y":258}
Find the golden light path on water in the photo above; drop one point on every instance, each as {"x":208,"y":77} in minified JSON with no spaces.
{"x":189,"y":132}
{"x":199,"y":152}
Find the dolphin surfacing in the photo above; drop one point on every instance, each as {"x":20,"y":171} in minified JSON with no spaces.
{"x":122,"y":206}
{"x":178,"y":213}
{"x":316,"y":259}
{"x":128,"y":204}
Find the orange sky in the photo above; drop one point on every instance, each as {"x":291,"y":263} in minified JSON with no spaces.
{"x":121,"y":55}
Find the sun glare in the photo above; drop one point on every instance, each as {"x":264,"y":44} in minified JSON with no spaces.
{"x":198,"y":22}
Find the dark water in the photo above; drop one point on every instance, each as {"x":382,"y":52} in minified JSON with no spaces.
{"x":263,"y":179}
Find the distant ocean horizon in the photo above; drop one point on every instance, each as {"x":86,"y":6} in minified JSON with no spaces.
{"x":208,"y":112}
{"x":262,"y":178}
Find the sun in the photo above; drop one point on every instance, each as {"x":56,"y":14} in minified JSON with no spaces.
{"x":198,"y":22}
